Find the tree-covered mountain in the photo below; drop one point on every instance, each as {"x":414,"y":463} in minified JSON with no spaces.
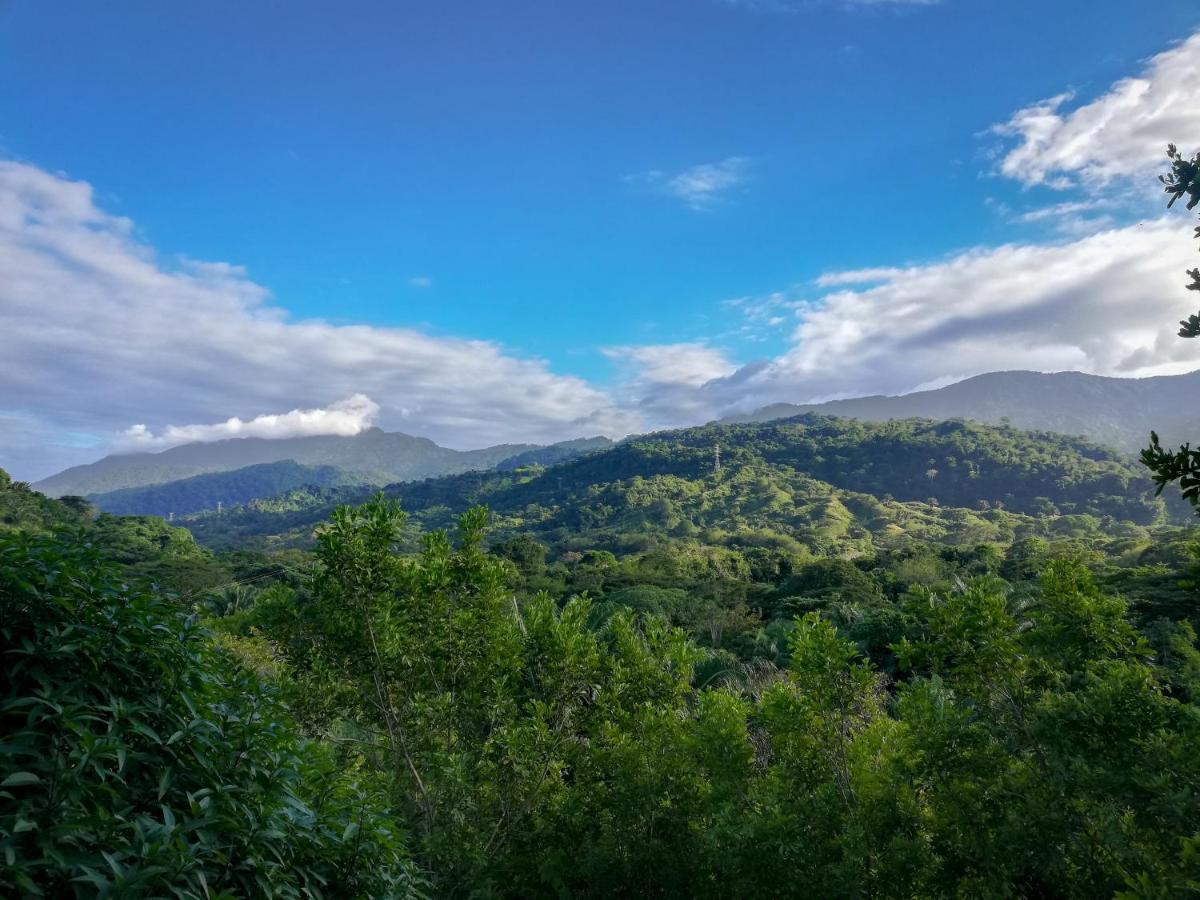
{"x":817,"y":480}
{"x":372,"y":457}
{"x":555,"y":453}
{"x":146,"y":548}
{"x":201,"y":492}
{"x":1115,"y":412}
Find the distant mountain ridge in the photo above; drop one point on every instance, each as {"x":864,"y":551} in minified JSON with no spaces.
{"x":214,"y":489}
{"x":373,"y":457}
{"x":1115,"y":412}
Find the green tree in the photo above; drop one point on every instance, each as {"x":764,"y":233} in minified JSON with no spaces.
{"x":1182,"y":465}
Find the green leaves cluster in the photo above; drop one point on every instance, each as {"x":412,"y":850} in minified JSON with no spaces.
{"x":136,"y":759}
{"x":1184,"y":181}
{"x":1182,"y":465}
{"x":474,"y":706}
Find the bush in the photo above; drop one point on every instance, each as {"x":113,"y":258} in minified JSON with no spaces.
{"x":139,"y":760}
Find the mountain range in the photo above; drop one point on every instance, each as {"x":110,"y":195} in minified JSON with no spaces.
{"x":837,"y":485}
{"x":373,"y":457}
{"x":1115,"y":412}
{"x":1118,"y":413}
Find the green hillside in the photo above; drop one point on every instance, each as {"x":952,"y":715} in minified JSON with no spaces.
{"x":824,"y":482}
{"x":650,"y":676}
{"x":201,"y":492}
{"x":146,"y":549}
{"x":1115,"y":412}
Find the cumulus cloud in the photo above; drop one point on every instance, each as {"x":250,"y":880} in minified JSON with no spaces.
{"x":100,"y":333}
{"x":346,"y":417}
{"x":1123,"y":132}
{"x":699,"y":187}
{"x":1093,"y":304}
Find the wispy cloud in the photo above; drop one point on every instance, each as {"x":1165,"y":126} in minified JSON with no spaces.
{"x":420,"y":281}
{"x":1071,"y":218}
{"x":857,"y":276}
{"x":692,"y":363}
{"x":1060,"y":210}
{"x":1123,"y":132}
{"x":764,"y":316}
{"x":702,"y":186}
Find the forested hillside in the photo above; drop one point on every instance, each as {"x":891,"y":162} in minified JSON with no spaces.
{"x":201,"y":492}
{"x":821,"y":481}
{"x":709,"y":709}
{"x":1114,"y":412}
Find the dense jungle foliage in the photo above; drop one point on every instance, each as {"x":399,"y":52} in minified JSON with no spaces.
{"x":640,"y":675}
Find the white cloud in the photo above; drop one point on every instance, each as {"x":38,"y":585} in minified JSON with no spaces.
{"x":763,"y":316}
{"x":666,"y":364}
{"x":666,"y":381}
{"x":1060,"y":210}
{"x":347,"y":417}
{"x":420,"y":281}
{"x":1073,"y":218}
{"x":100,"y":333}
{"x":1098,"y":304}
{"x":700,"y":187}
{"x":1123,"y":132}
{"x":1107,"y":303}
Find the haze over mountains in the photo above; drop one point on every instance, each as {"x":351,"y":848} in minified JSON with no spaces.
{"x":1116,"y":412}
{"x":370,"y":457}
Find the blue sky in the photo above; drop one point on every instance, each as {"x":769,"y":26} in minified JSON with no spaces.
{"x":608,"y":193}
